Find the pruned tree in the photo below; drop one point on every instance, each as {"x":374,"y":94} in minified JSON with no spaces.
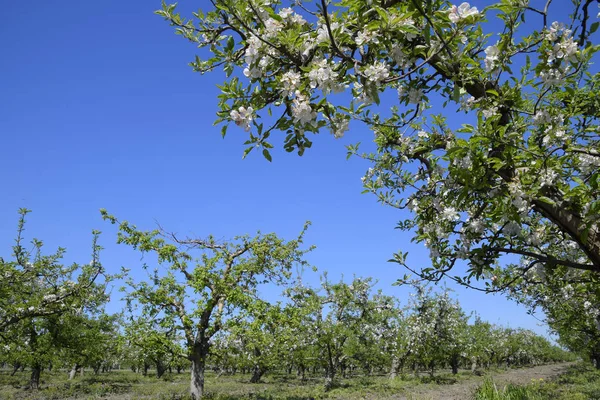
{"x":196,"y":295}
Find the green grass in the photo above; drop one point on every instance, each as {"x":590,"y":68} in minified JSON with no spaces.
{"x":126,"y":385}
{"x":490,"y":391}
{"x":580,"y":382}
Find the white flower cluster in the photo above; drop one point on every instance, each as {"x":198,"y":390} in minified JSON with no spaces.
{"x":323,"y":32}
{"x":242,"y":117}
{"x":50,"y":297}
{"x":588,"y":163}
{"x":290,"y":81}
{"x":302,"y":111}
{"x":512,"y":228}
{"x":272,"y":27}
{"x":519,"y":198}
{"x":323,"y":76}
{"x":492,"y":54}
{"x":535,"y":237}
{"x":554,"y":131}
{"x":456,"y":14}
{"x":548,"y":178}
{"x":463,"y":162}
{"x":489,"y":112}
{"x":339,"y":126}
{"x":289,"y":15}
{"x":553,"y":76}
{"x":377,"y":72}
{"x":542,"y":117}
{"x":252,"y":55}
{"x":564,"y":46}
{"x":366,"y":37}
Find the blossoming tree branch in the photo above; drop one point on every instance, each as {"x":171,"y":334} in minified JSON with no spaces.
{"x":520,"y":178}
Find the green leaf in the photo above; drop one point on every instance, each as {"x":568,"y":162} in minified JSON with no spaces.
{"x":267,"y":155}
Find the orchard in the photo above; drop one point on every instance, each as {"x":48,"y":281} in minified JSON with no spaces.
{"x":483,"y":134}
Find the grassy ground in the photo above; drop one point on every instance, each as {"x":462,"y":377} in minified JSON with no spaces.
{"x":580,"y":382}
{"x":127,"y":385}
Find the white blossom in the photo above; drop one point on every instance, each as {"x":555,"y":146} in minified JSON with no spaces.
{"x":289,"y":15}
{"x":461,"y":12}
{"x":449,"y":214}
{"x":302,"y":110}
{"x":290,"y":82}
{"x":552,"y":77}
{"x":377,"y":72}
{"x":272,"y":27}
{"x":492,"y":53}
{"x":548,"y":177}
{"x":512,"y":229}
{"x":323,"y":31}
{"x":476,"y":225}
{"x":489,"y":112}
{"x":366,"y":37}
{"x":339,"y":126}
{"x":50,"y":297}
{"x":542,"y":117}
{"x":325,"y":78}
{"x":242,"y":117}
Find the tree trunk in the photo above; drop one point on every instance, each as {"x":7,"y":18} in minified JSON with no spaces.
{"x":257,"y":373}
{"x":34,"y":380}
{"x":197,"y":377}
{"x":160,"y":369}
{"x":330,"y":371}
{"x":454,"y":364}
{"x":74,"y":370}
{"x":329,"y":378}
{"x":394,"y":368}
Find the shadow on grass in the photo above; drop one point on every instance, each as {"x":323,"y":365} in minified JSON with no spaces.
{"x":439,"y":380}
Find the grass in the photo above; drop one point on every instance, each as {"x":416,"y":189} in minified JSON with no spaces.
{"x":490,"y":391}
{"x":580,"y":382}
{"x":126,"y":385}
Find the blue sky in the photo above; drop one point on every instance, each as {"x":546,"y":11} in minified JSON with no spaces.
{"x":99,"y":109}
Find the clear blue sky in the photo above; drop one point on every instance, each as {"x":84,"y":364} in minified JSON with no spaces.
{"x":99,"y":109}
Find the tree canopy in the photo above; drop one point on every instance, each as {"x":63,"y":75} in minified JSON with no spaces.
{"x":518,"y":177}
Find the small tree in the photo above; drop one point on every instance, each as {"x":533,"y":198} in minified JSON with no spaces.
{"x":40,"y":299}
{"x":197,"y":299}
